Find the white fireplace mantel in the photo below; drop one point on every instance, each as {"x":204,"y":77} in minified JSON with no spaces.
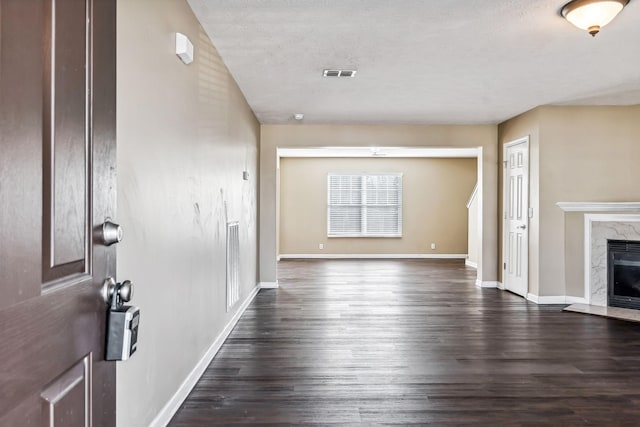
{"x":599,"y":206}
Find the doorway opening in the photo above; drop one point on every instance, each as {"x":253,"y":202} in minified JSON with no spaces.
{"x":336,"y":155}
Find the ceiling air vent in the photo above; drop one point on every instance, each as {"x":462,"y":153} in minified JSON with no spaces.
{"x":339,"y":73}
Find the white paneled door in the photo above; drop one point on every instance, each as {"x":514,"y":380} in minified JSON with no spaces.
{"x":516,"y":218}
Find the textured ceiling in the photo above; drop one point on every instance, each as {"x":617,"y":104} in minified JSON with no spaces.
{"x":419,"y":61}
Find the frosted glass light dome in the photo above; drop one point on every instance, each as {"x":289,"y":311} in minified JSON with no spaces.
{"x":592,"y":15}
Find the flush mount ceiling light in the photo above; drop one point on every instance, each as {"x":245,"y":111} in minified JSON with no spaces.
{"x":592,"y":15}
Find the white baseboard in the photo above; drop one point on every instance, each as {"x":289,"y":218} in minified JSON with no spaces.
{"x":172,"y":406}
{"x":372,"y":256}
{"x":556,"y":299}
{"x":553,"y":299}
{"x":501,"y":286}
{"x":471,"y":264}
{"x":532,"y":298}
{"x":269,"y":285}
{"x":487,"y":284}
{"x":575,"y":300}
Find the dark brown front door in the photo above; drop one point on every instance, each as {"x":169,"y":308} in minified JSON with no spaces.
{"x":57,"y":186}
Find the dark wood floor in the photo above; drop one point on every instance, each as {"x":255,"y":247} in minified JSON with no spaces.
{"x":414,"y":342}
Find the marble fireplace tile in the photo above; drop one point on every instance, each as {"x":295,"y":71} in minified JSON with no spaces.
{"x":601,"y":231}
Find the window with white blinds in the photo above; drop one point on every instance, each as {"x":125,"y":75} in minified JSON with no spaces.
{"x":364,"y":205}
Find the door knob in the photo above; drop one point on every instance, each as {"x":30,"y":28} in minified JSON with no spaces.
{"x":116,"y":294}
{"x":521,"y":227}
{"x":126,"y":291}
{"x":111,"y":233}
{"x":108,"y":289}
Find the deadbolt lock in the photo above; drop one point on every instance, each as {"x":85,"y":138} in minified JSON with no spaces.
{"x":111,"y":233}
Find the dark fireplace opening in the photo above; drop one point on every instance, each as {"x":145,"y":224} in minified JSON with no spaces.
{"x":624,"y":273}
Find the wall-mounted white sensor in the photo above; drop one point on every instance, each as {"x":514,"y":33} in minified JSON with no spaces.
{"x":298,"y":116}
{"x":184,"y":48}
{"x":245,"y":175}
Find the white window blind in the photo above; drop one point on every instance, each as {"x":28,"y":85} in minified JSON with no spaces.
{"x":364,"y":205}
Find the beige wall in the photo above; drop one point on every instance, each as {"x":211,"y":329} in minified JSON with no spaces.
{"x":473,"y":227}
{"x":578,"y":154}
{"x":297,"y":135}
{"x":185,"y":134}
{"x":435,"y":192}
{"x":588,"y":154}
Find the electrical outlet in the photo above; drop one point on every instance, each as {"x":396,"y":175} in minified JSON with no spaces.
{"x":433,"y":246}
{"x":321,"y":245}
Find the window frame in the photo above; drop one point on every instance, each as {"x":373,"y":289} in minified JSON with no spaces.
{"x":364,"y":205}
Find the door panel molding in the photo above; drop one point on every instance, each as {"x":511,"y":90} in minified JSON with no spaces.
{"x":68,"y":392}
{"x":66,"y":139}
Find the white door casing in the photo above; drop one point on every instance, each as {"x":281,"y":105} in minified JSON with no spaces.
{"x":515,"y":217}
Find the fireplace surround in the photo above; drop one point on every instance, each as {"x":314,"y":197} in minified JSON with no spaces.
{"x":599,"y":229}
{"x":602,"y":222}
